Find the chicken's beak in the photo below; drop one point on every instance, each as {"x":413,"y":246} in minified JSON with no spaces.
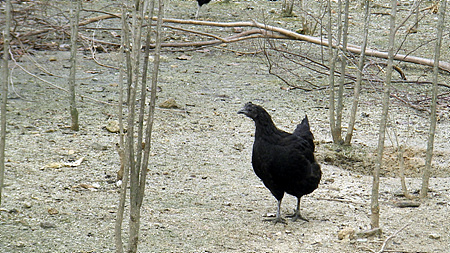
{"x":242,"y":111}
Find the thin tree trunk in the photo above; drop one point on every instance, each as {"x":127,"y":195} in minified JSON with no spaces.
{"x":375,"y":207}
{"x":362,"y":57}
{"x":142,"y":164}
{"x":431,"y":133}
{"x":401,"y":161}
{"x":134,"y":167}
{"x":287,"y":8}
{"x":124,"y":160}
{"x":151,"y":110}
{"x":74,"y":20}
{"x":343,"y":60}
{"x":332,"y":59}
{"x":138,"y":170}
{"x":4,"y":83}
{"x":415,"y":27}
{"x":140,"y":142}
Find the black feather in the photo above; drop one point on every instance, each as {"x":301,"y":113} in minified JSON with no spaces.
{"x":202,"y":2}
{"x":284,"y":162}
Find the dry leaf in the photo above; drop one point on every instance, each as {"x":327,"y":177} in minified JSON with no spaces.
{"x":85,"y":186}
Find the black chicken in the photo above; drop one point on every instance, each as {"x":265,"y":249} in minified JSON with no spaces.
{"x":284,"y":162}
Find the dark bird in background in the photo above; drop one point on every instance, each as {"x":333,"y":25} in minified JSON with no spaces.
{"x":284,"y":162}
{"x":200,"y":3}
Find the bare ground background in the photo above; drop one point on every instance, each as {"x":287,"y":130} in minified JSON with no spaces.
{"x":202,"y":195}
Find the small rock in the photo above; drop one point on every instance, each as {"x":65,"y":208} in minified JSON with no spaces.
{"x":184,"y":57}
{"x":169,"y":104}
{"x":96,"y":185}
{"x":47,"y":225}
{"x":329,"y":181}
{"x":98,"y":146}
{"x":239,"y":146}
{"x":113,"y":126}
{"x":434,"y":236}
{"x":64,"y":47}
{"x":271,"y":215}
{"x":346,"y":233}
{"x":52,"y":211}
{"x":27,"y":205}
{"x":329,"y":159}
{"x":19,"y":244}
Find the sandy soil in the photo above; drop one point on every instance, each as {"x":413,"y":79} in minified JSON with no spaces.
{"x":202,"y":195}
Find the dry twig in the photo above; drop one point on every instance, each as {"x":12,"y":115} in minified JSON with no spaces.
{"x":52,"y":84}
{"x":383,"y":247}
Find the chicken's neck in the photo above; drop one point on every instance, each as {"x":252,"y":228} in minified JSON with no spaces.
{"x":265,"y":126}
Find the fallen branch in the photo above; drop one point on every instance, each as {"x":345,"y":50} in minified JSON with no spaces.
{"x":418,"y":108}
{"x":65,"y":27}
{"x":315,"y":40}
{"x":390,"y":238}
{"x":262,"y":30}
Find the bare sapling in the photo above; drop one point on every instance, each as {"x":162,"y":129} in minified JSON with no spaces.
{"x":332,"y":55}
{"x":123,"y":173}
{"x":4,"y":83}
{"x":401,"y":161}
{"x":74,"y":20}
{"x":343,"y":32}
{"x":359,"y":75}
{"x":431,"y":133}
{"x":137,"y":139}
{"x":375,"y":206}
{"x":287,"y":8}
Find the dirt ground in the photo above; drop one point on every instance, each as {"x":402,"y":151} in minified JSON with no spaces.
{"x":201,"y":194}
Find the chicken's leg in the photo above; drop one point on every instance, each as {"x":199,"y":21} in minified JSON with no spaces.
{"x":278,"y":218}
{"x":198,"y":11}
{"x":297,"y":214}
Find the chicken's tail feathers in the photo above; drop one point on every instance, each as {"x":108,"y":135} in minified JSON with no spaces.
{"x":303,"y":128}
{"x":304,"y":132}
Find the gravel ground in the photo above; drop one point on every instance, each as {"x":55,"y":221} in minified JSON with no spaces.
{"x":201,"y":193}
